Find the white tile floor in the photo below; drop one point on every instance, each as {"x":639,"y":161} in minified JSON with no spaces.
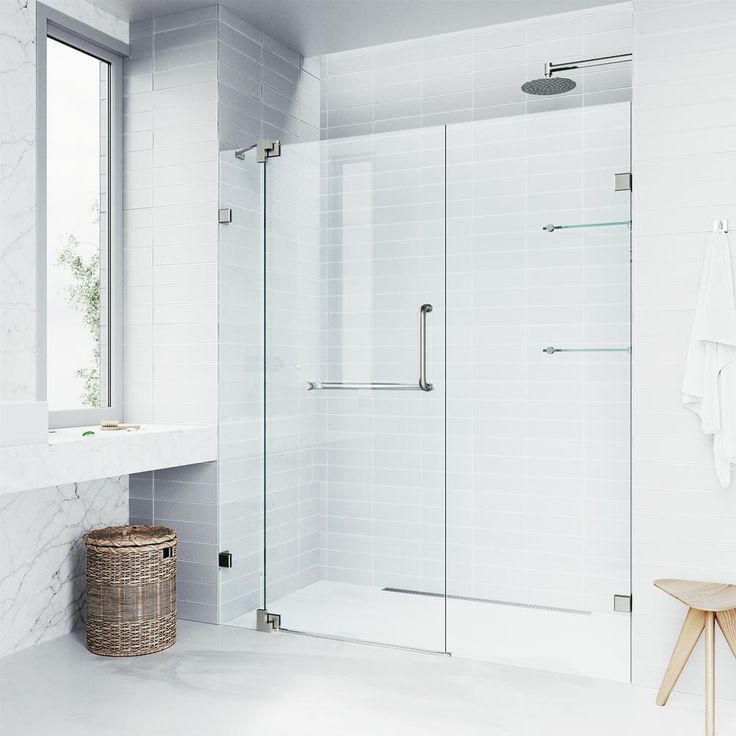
{"x":596,"y":645}
{"x":227,"y":681}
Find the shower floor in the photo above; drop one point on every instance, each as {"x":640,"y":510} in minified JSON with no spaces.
{"x":595,"y":645}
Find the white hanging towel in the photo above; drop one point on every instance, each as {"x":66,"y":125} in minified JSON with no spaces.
{"x":709,"y":384}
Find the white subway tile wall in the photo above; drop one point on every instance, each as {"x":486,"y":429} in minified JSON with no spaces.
{"x":684,"y":145}
{"x":382,"y":258}
{"x":197,"y":82}
{"x":170,"y":257}
{"x":538,"y":444}
{"x":472,"y":75}
{"x":170,"y":194}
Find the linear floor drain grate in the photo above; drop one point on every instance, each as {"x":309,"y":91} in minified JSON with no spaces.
{"x":513,"y":604}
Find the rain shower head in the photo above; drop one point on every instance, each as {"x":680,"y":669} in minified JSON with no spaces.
{"x":551,"y":85}
{"x":548,"y":86}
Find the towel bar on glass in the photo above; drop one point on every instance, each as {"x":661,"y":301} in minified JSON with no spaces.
{"x":422,"y":385}
{"x":551,"y":228}
{"x":336,"y":385}
{"x":552,"y":350}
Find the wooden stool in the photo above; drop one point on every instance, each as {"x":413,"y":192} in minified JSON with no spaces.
{"x":708,"y":603}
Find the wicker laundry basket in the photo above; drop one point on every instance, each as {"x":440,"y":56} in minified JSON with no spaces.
{"x":131,"y":590}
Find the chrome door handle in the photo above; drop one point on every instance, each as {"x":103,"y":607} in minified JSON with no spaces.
{"x":423,"y":383}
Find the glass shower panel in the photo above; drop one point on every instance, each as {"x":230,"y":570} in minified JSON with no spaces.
{"x":241,"y":374}
{"x":292,"y":418}
{"x":539,"y":390}
{"x":355,"y":484}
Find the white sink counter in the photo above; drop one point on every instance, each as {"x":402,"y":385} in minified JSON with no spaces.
{"x":68,"y":457}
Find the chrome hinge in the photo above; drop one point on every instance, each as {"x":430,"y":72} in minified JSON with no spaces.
{"x":224,"y":215}
{"x":622,"y":603}
{"x":622,"y":182}
{"x":267,"y":149}
{"x":266,"y":621}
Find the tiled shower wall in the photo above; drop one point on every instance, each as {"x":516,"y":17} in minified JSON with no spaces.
{"x":538,"y":448}
{"x":170,"y":231}
{"x":383,"y":254}
{"x":196,"y":82}
{"x":538,"y":445}
{"x":170,"y":276}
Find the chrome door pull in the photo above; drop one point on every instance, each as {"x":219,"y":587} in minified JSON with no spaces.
{"x":423,"y":383}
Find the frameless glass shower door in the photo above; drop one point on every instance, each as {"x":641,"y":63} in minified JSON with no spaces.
{"x":538,"y":389}
{"x":425,"y":389}
{"x":355,"y":305}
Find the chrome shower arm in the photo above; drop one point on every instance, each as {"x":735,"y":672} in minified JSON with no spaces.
{"x":550,"y":68}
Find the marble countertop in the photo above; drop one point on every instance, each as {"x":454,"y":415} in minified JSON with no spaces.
{"x":69,"y":457}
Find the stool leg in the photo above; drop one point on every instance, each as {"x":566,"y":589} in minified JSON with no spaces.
{"x":692,"y":628}
{"x":727,"y":622}
{"x":710,"y":674}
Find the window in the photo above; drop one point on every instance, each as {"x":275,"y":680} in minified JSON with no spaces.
{"x":79,"y":264}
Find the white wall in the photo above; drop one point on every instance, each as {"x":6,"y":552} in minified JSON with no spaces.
{"x":684,"y":151}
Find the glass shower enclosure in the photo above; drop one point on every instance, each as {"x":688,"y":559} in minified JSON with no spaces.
{"x":427,"y":333}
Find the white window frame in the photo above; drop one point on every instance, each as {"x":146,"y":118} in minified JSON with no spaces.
{"x":52,"y":24}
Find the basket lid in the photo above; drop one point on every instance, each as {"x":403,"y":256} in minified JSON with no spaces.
{"x":130,"y":536}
